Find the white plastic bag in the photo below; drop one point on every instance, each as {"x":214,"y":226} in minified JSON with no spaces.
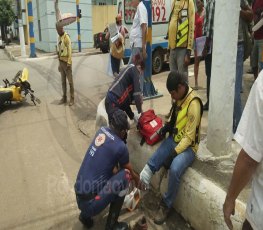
{"x":109,"y":69}
{"x":132,"y":199}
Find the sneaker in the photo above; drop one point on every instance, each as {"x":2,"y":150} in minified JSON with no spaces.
{"x":87,"y":222}
{"x":161,"y":214}
{"x":62,"y":101}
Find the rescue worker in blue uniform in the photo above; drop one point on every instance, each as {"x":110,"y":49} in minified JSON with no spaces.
{"x":99,"y":182}
{"x":125,"y":89}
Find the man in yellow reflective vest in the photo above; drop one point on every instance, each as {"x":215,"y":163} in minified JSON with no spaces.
{"x":181,"y":34}
{"x":177,"y":152}
{"x":65,"y":64}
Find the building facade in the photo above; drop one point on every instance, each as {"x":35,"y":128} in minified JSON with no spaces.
{"x":45,"y":20}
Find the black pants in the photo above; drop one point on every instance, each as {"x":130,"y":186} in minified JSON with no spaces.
{"x":115,"y":64}
{"x":208,"y":68}
{"x":246,"y":225}
{"x":111,"y":107}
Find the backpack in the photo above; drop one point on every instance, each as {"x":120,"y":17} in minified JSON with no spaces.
{"x":148,"y":125}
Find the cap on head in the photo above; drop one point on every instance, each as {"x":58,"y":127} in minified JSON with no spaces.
{"x":119,"y":120}
{"x":174,"y":79}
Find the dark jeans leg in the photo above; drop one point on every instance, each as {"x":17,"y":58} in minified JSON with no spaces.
{"x":115,"y":65}
{"x":208,"y":67}
{"x":246,"y":225}
{"x":110,"y":108}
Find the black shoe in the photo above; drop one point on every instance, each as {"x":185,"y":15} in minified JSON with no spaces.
{"x":120,"y":226}
{"x":87,"y":222}
{"x":206,"y":107}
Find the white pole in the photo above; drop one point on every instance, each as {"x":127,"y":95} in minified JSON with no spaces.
{"x":220,"y":116}
{"x":22,"y":38}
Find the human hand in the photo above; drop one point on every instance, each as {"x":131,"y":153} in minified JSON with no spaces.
{"x":228,"y":210}
{"x":166,"y":128}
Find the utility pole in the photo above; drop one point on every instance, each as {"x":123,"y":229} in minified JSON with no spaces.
{"x":31,"y":29}
{"x":220,"y":116}
{"x":148,"y":87}
{"x":78,"y":24}
{"x":21,"y":30}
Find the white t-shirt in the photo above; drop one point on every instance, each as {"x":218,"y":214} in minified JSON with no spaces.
{"x":140,"y":17}
{"x":249,"y":136}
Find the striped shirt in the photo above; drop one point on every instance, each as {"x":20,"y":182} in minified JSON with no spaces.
{"x":208,"y":29}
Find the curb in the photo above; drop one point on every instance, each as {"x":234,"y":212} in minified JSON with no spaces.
{"x":47,"y":56}
{"x":199,"y":199}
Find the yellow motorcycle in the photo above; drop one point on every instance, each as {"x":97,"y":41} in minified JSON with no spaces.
{"x":17,"y":90}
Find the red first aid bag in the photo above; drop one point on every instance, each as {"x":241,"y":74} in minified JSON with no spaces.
{"x":148,"y":125}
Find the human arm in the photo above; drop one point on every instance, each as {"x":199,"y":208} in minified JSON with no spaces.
{"x":143,"y":15}
{"x":107,"y":35}
{"x":244,"y":169}
{"x":68,"y":44}
{"x":246,"y":13}
{"x":134,"y":176}
{"x":144,"y":33}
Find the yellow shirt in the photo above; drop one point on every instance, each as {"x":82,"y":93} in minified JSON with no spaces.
{"x":193,"y":116}
{"x":181,"y":12}
{"x":64,"y":49}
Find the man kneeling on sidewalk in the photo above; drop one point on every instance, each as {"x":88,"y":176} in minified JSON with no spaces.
{"x":177,"y":152}
{"x":99,"y":182}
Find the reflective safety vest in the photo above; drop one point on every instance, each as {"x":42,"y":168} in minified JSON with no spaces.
{"x":182,"y":118}
{"x":182,"y":27}
{"x":62,"y":48}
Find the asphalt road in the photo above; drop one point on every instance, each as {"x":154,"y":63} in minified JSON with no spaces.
{"x":42,"y":146}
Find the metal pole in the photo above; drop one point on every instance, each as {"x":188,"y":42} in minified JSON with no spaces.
{"x":148,"y":87}
{"x":78,"y":25}
{"x":31,"y":29}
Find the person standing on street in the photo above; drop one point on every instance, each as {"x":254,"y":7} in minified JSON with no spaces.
{"x":65,"y":64}
{"x":138,"y":33}
{"x":208,"y":32}
{"x":249,"y":164}
{"x":246,"y":16}
{"x":181,"y":35}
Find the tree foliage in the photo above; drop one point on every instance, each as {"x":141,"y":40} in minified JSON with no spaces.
{"x":7,"y":14}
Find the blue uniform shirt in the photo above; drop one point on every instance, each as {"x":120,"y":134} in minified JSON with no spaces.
{"x":105,"y":152}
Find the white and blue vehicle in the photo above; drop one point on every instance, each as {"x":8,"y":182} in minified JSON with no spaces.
{"x":160,"y":16}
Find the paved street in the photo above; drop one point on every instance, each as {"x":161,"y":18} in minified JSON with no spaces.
{"x":42,"y":146}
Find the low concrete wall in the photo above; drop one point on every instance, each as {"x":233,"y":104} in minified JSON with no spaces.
{"x":199,"y":199}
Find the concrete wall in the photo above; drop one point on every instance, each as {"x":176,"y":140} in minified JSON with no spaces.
{"x":48,"y":19}
{"x":102,"y":16}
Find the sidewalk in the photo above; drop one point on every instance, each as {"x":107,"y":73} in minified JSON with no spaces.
{"x":13,"y":50}
{"x":203,"y":187}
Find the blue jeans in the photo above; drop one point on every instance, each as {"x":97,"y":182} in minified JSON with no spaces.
{"x":134,"y":51}
{"x":238,"y":87}
{"x":180,"y":163}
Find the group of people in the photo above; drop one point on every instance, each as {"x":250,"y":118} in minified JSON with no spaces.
{"x":106,"y":173}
